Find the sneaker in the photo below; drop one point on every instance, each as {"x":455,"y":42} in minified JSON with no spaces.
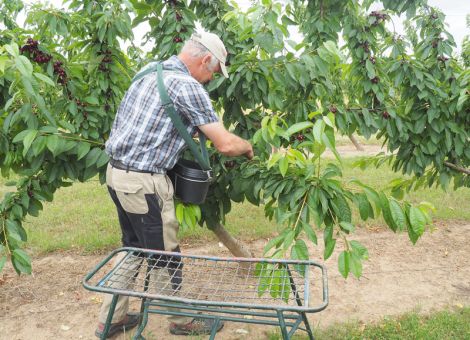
{"x":130,"y":321}
{"x":197,"y":326}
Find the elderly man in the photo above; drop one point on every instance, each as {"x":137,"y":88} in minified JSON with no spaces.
{"x":144,"y":145}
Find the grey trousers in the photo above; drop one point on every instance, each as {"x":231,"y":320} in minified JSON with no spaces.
{"x":146,"y":212}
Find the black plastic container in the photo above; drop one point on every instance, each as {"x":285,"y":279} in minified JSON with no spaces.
{"x":190,"y":182}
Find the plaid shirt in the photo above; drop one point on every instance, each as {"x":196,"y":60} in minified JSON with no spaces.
{"x":143,"y":135}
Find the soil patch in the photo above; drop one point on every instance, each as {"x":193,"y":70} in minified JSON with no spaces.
{"x":398,"y":278}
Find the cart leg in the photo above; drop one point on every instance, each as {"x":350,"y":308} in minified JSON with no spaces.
{"x":282,"y":324}
{"x":107,"y":325}
{"x":299,"y":303}
{"x":143,"y":323}
{"x":307,"y":326}
{"x":214,"y":328}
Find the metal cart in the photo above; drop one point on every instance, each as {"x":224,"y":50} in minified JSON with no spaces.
{"x":248,"y":290}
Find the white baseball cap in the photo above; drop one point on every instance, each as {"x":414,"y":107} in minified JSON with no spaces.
{"x":213,"y":43}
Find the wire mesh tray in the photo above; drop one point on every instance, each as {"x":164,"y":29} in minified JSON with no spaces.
{"x":213,"y":281}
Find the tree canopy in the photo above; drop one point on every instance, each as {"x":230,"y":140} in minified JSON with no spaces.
{"x":62,"y":77}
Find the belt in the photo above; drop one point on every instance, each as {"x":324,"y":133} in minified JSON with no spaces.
{"x":121,"y":166}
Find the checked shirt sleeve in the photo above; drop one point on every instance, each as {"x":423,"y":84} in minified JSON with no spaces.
{"x":194,"y":103}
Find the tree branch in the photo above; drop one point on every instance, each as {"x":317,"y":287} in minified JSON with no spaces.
{"x":457,"y":168}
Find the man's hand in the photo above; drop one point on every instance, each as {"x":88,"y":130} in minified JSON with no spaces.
{"x":226,"y":142}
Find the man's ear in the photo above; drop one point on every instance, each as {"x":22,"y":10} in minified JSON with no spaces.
{"x":206,"y":59}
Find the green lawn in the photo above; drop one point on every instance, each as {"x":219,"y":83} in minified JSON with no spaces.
{"x":444,"y":325}
{"x":83,"y":217}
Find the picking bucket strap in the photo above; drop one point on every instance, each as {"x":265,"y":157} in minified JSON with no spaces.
{"x":201,"y":155}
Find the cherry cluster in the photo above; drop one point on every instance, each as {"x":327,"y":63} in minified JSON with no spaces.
{"x":229,"y":164}
{"x":435,"y":42}
{"x":60,"y":72}
{"x":365,"y":46}
{"x":379,"y":17}
{"x":105,"y":61}
{"x":38,"y":56}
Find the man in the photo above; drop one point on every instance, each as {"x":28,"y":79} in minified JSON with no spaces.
{"x":144,"y":145}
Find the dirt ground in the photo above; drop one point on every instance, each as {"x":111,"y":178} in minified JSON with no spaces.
{"x":398,"y":278}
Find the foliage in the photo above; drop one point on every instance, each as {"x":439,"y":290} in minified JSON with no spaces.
{"x":60,"y":90}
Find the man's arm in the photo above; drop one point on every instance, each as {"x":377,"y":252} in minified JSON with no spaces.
{"x":225,"y":142}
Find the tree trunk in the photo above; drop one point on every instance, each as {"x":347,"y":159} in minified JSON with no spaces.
{"x":237,"y":248}
{"x":356,"y":143}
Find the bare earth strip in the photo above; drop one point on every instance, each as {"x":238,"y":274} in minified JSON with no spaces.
{"x":398,"y":278}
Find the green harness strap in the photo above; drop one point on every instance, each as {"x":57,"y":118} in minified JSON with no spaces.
{"x":201,"y":155}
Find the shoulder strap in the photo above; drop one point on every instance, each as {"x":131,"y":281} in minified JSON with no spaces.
{"x":200,"y":155}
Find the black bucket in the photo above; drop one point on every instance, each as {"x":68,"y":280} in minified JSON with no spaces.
{"x":190,"y":182}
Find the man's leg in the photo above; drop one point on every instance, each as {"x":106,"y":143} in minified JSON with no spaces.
{"x":129,"y":239}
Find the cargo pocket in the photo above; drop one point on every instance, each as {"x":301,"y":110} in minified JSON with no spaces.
{"x":132,"y":197}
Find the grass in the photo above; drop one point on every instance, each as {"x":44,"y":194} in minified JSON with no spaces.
{"x":83,"y":217}
{"x":441,"y":325}
{"x":344,"y":140}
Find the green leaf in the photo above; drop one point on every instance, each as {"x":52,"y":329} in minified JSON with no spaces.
{"x":265,"y":271}
{"x":343,"y":263}
{"x":298,"y":127}
{"x":329,"y":247}
{"x":318,"y":130}
{"x":53,"y":144}
{"x":39,"y":145}
{"x":12,"y":49}
{"x":3,"y":61}
{"x":283,"y":166}
{"x":398,"y":215}
{"x":92,"y":157}
{"x":19,"y":137}
{"x":385,"y":205}
{"x":102,"y":160}
{"x":34,"y":207}
{"x":347,"y":226}
{"x":21,"y":261}
{"x":28,"y":140}
{"x":370,"y":69}
{"x":82,"y":149}
{"x":92,"y":100}
{"x":299,"y":252}
{"x":343,"y":210}
{"x":355,"y":265}
{"x":24,"y":66}
{"x":44,"y":78}
{"x":328,"y":139}
{"x":274,"y":242}
{"x":180,"y":212}
{"x":359,"y":249}
{"x":364,"y":206}
{"x":310,"y":232}
{"x":417,"y":220}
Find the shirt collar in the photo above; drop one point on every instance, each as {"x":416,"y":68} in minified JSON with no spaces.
{"x":175,"y":63}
